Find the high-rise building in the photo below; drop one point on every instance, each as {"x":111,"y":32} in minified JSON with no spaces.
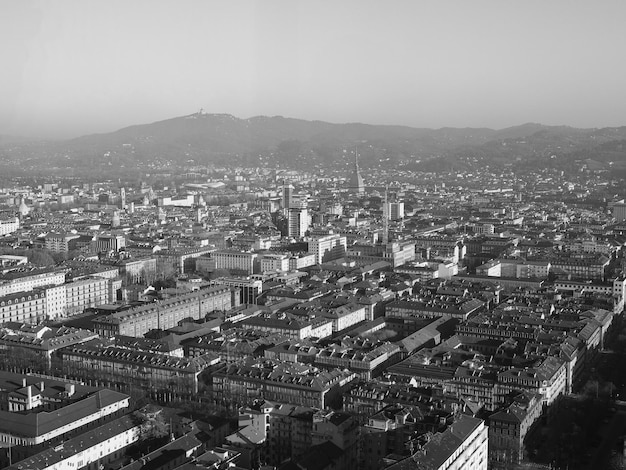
{"x":395,"y":210}
{"x":356,"y":180}
{"x":298,"y":222}
{"x":122,"y":198}
{"x":287,"y":197}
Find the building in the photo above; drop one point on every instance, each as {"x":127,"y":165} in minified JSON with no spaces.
{"x":509,"y":426}
{"x":138,"y":270}
{"x":180,"y":260}
{"x":100,"y":445}
{"x":287,"y":383}
{"x":13,"y":282}
{"x":59,"y":242}
{"x":298,"y":222}
{"x":26,"y":346}
{"x":164,"y":314}
{"x":9,"y":226}
{"x":108,"y":243}
{"x":619,"y":212}
{"x":273,"y":262}
{"x":395,"y":253}
{"x":287,"y":196}
{"x":395,"y":210}
{"x":463,"y":445}
{"x":148,"y":371}
{"x":248,"y":290}
{"x":86,"y":292}
{"x":36,"y":413}
{"x":328,"y":247}
{"x":27,"y":307}
{"x":236,"y":261}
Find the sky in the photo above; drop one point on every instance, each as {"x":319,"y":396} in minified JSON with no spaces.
{"x":75,"y":67}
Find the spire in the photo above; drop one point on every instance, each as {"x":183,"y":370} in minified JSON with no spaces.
{"x":356,"y":180}
{"x":386,"y":218}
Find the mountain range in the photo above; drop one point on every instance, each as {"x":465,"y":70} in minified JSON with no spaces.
{"x":224,"y":140}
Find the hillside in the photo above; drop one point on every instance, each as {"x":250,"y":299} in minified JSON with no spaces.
{"x":221,"y":139}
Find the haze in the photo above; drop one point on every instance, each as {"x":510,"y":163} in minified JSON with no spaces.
{"x":76,"y":67}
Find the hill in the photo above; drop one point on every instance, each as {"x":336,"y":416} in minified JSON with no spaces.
{"x":222,"y":139}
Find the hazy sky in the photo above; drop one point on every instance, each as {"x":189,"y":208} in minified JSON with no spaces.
{"x":71,"y":67}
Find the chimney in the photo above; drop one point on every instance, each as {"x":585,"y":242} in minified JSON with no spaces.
{"x":42,"y":386}
{"x":24,"y":382}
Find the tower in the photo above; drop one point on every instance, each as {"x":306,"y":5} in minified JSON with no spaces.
{"x":122,"y":198}
{"x":386,"y":219}
{"x":287,"y":196}
{"x":298,"y":222}
{"x":356,"y":180}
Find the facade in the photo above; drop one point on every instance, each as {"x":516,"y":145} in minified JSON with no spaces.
{"x":22,"y":341}
{"x":509,"y":426}
{"x":146,"y":370}
{"x":8,"y":226}
{"x":87,"y":292}
{"x":463,"y":445}
{"x":165,"y":314}
{"x":328,"y":247}
{"x":273,"y":262}
{"x":106,"y":243}
{"x":98,"y":446}
{"x":56,"y":301}
{"x":395,"y":253}
{"x":246,"y":291}
{"x":59,"y":242}
{"x":27,"y":307}
{"x":138,"y":270}
{"x":239,"y":261}
{"x":298,"y":222}
{"x":23,"y":282}
{"x":241,"y":383}
{"x":180,"y":260}
{"x":395,"y":210}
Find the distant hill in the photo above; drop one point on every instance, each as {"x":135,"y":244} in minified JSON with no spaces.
{"x":222,"y":139}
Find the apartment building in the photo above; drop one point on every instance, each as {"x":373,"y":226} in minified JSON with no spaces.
{"x":239,"y":261}
{"x":13,"y":282}
{"x":463,"y":445}
{"x":9,"y":225}
{"x":59,"y":242}
{"x":164,"y":314}
{"x":287,"y":383}
{"x":86,"y":292}
{"x":27,"y":307}
{"x":97,"y":446}
{"x":328,"y":247}
{"x":143,"y":369}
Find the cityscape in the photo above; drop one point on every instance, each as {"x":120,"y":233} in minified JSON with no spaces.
{"x":278,"y":235}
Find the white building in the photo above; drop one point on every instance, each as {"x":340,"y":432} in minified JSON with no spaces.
{"x":9,"y":226}
{"x":56,"y":301}
{"x":272,"y":262}
{"x":328,"y":247}
{"x":298,"y":222}
{"x":101,"y":444}
{"x":395,"y":210}
{"x":235,"y":260}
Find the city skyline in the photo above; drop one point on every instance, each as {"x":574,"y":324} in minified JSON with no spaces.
{"x":78,"y":68}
